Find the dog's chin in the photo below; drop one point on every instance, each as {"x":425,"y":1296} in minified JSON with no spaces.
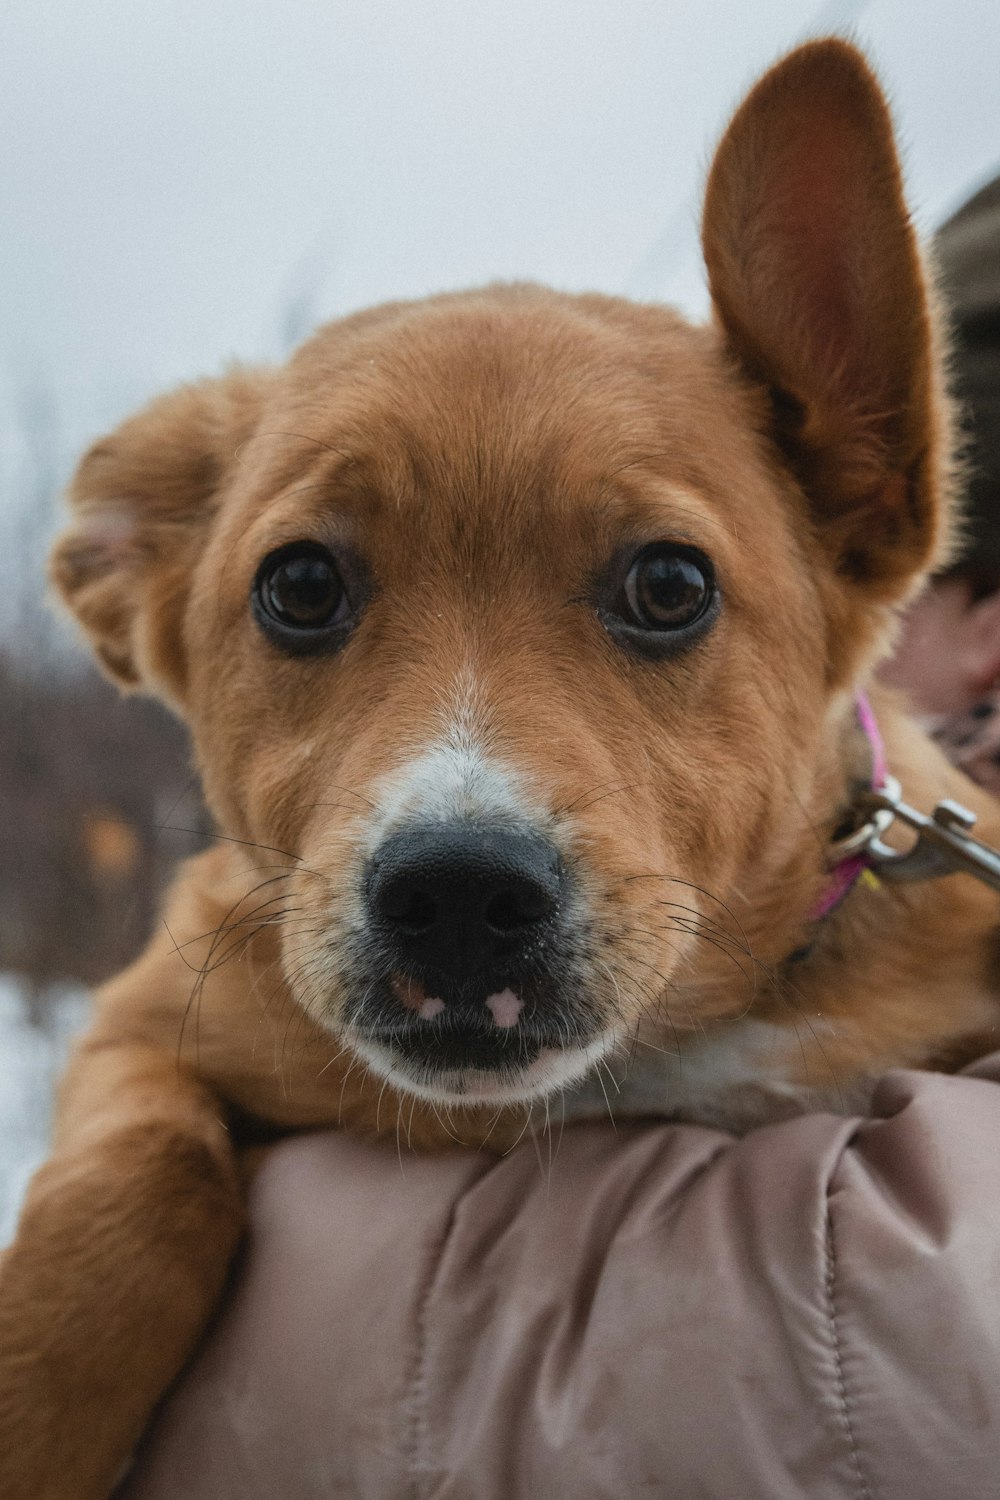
{"x":553,"y":1069}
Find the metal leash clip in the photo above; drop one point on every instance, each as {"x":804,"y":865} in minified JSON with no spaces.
{"x":944,"y":845}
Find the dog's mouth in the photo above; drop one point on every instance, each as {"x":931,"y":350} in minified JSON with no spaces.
{"x":468,"y":1066}
{"x":458,"y":1046}
{"x":501,"y":1046}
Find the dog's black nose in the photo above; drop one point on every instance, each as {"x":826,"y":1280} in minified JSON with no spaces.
{"x":455,"y":900}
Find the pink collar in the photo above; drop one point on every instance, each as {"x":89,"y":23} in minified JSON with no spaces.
{"x":848,"y":870}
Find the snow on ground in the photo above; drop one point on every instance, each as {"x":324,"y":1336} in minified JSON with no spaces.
{"x":31,"y":1059}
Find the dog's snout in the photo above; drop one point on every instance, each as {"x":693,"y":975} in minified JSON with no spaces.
{"x":456,"y":897}
{"x":470,"y":932}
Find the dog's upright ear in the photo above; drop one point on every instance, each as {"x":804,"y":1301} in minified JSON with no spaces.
{"x":143,"y":500}
{"x":817,"y":281}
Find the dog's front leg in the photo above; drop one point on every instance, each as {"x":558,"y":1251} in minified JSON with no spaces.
{"x":121,"y":1253}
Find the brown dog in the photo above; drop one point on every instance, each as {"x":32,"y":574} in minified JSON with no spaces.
{"x":519,"y":636}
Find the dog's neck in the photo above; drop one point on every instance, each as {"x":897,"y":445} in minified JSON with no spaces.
{"x":848,"y":862}
{"x":804,"y":1007}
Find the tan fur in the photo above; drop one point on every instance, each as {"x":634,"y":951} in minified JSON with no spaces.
{"x":484,"y":454}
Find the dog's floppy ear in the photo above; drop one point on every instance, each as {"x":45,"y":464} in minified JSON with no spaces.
{"x":143,"y":500}
{"x":817,"y":281}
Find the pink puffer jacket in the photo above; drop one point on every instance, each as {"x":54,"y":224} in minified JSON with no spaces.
{"x":811,"y":1311}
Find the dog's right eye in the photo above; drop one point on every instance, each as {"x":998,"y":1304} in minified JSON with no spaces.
{"x":660,"y":600}
{"x":299,"y":595}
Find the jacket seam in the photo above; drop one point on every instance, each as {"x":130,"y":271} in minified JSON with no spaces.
{"x":417,"y":1458}
{"x":863,"y":1486}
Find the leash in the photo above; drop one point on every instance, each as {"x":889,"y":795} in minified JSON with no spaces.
{"x":944,"y":844}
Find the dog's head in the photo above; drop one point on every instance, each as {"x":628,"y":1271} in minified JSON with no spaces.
{"x":530,"y":623}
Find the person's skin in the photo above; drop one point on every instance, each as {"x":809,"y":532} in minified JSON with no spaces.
{"x":948,"y":655}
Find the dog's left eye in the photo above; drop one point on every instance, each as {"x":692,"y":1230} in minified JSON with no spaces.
{"x":668,"y":587}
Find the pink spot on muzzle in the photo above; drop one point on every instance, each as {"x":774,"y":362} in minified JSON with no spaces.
{"x":414,"y":997}
{"x":505,"y":1008}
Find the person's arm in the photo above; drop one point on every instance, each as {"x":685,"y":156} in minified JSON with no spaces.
{"x":811,"y":1310}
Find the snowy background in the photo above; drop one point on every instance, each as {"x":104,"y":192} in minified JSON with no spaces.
{"x":31,"y":1056}
{"x":183,"y":183}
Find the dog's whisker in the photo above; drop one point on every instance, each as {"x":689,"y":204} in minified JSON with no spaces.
{"x":597,"y":794}
{"x":538,"y":1154}
{"x":219,"y":955}
{"x":641,"y":1041}
{"x":562,"y":1123}
{"x":602,"y":1063}
{"x":355,"y":1060}
{"x":350,"y":792}
{"x":446,"y":1127}
{"x":721,"y":944}
{"x":547,"y":1133}
{"x":600,"y":1079}
{"x":399,"y":1144}
{"x":194,"y":998}
{"x":662,"y":1009}
{"x":492,"y":1126}
{"x":520,"y":1136}
{"x":226,"y":838}
{"x":701,"y":890}
{"x":302,"y":437}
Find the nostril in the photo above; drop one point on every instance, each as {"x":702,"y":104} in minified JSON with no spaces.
{"x":517,"y":906}
{"x":407,"y":905}
{"x":454,"y":899}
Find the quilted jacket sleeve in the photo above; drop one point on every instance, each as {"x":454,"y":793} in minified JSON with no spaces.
{"x":810,"y":1311}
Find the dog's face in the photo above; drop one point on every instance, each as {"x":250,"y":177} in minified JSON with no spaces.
{"x":527,"y":624}
{"x":493,"y":636}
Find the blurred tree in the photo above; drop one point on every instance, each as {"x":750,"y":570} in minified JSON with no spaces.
{"x":88,"y":781}
{"x":97,"y":802}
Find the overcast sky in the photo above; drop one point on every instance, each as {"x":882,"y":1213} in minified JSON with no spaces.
{"x":182,"y":182}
